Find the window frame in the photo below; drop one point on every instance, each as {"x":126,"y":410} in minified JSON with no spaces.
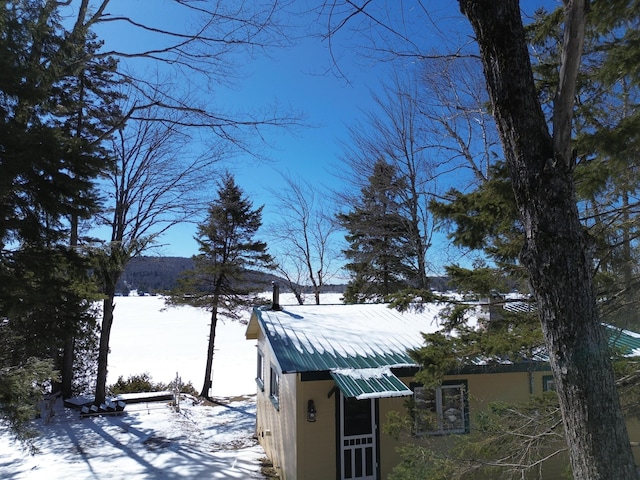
{"x":274,"y":387}
{"x":260,"y":370}
{"x":548,"y":383}
{"x":421,"y":427}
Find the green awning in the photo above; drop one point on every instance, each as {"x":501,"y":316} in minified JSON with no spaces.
{"x":361,"y":383}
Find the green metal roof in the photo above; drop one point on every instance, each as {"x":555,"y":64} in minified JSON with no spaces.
{"x":626,"y":341}
{"x":369,"y":383}
{"x":341,"y":339}
{"x":317,"y":338}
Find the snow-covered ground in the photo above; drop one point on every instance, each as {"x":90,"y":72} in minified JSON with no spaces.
{"x":148,"y":337}
{"x":152,"y":440}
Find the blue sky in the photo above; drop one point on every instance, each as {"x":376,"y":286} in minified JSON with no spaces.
{"x":330,"y":105}
{"x":293,"y":76}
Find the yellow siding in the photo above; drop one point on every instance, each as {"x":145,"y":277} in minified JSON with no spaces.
{"x":317,"y":440}
{"x":313,"y":456}
{"x":276,"y":427}
{"x":389,"y":457}
{"x":633,"y":426}
{"x":307,"y":450}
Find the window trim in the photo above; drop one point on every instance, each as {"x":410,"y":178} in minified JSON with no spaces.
{"x":260,"y":370}
{"x":548,"y":384}
{"x":449,"y":384}
{"x":274,"y":387}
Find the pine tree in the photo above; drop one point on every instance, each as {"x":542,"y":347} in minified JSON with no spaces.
{"x":47,"y":170}
{"x":49,"y":162}
{"x":606,"y":143}
{"x":379,"y":254}
{"x":487,"y":218}
{"x":219,"y":281}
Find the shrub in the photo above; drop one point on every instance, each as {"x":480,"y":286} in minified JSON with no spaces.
{"x":135,"y":384}
{"x":143,"y":383}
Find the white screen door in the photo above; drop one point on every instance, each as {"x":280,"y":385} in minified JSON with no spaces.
{"x":357,"y":439}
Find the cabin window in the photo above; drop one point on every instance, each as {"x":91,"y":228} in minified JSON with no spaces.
{"x":260,"y":371}
{"x":442,"y":410}
{"x":274,"y":387}
{"x":547,"y":383}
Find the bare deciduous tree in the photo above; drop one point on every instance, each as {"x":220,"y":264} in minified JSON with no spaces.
{"x":393,"y":132}
{"x":172,"y":71}
{"x":305,"y":237}
{"x":459,"y":129}
{"x":155,"y":183}
{"x":184,"y":60}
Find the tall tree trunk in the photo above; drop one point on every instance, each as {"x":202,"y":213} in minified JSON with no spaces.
{"x":66,"y":381}
{"x":210,"y":350}
{"x":111,"y":268}
{"x":556,"y":252}
{"x":108,"y":306}
{"x":66,"y":372}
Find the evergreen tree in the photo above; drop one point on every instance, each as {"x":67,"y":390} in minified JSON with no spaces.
{"x":49,"y":162}
{"x":45,"y":298}
{"x":380,"y":252}
{"x":556,"y":252}
{"x":395,"y":131}
{"x":606,"y":143}
{"x":487,"y":219}
{"x":48,"y":169}
{"x":219,"y":281}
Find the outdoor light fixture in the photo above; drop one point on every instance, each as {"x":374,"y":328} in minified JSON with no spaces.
{"x":311,"y":411}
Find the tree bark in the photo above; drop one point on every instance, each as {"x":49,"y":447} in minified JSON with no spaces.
{"x":105,"y":333}
{"x":556,"y":252}
{"x":66,"y":373}
{"x":210,"y":350}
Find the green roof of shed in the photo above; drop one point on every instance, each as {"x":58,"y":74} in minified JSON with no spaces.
{"x":312,"y":338}
{"x":330,"y":338}
{"x":626,"y":341}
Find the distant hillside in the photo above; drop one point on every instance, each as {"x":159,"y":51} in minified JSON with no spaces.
{"x":158,"y":274}
{"x":152,"y":274}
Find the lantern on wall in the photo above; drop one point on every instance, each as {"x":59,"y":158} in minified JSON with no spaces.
{"x":311,"y":411}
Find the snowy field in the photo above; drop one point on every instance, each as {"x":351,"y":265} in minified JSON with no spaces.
{"x":149,"y":338}
{"x":153,"y":441}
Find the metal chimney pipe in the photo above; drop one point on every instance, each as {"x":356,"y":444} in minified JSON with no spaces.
{"x":275,"y":303}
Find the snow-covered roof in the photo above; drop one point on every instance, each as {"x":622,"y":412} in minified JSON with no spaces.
{"x":626,"y":341}
{"x":308,"y":338}
{"x":361,"y":383}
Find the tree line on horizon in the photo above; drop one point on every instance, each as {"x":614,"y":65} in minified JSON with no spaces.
{"x":158,"y":275}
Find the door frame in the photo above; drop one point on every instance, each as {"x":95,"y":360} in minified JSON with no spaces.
{"x":340,"y":437}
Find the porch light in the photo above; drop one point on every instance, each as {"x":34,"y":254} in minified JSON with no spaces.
{"x":311,"y":411}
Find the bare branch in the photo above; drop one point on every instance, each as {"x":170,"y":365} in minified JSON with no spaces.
{"x":306,"y":233}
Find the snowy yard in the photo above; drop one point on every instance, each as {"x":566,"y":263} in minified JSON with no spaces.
{"x":152,"y":441}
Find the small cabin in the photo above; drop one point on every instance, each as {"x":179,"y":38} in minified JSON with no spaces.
{"x":328,"y":375}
